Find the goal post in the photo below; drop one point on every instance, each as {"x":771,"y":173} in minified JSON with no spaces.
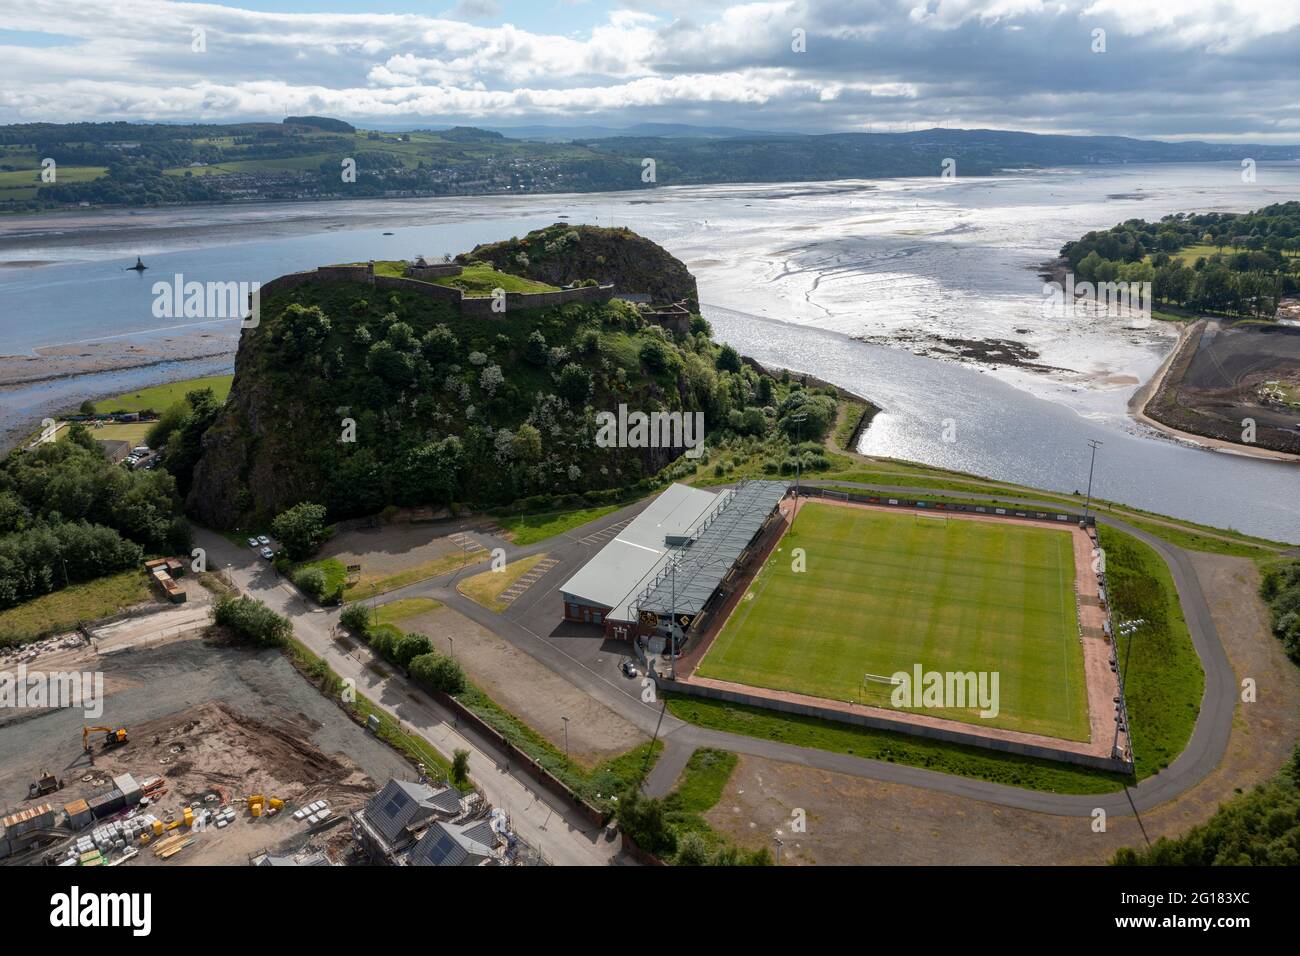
{"x":930,"y":520}
{"x":876,"y":688}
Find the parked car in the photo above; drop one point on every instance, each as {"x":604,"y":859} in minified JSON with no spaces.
{"x":253,"y":542}
{"x":263,"y":540}
{"x":267,"y":553}
{"x":628,"y":669}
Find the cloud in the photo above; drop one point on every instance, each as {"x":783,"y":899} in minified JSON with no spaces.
{"x":475,"y":10}
{"x":1195,"y":68}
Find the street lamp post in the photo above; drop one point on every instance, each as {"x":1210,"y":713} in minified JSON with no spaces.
{"x":566,"y":737}
{"x":1094,"y":444}
{"x":798,"y":461}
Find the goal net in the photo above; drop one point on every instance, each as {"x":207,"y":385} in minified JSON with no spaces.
{"x":932,"y":521}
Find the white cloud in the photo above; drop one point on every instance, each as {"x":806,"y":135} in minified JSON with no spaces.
{"x":1170,"y":67}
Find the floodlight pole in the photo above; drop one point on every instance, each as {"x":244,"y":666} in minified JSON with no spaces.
{"x":1094,"y":444}
{"x":798,"y":462}
{"x":672,"y":624}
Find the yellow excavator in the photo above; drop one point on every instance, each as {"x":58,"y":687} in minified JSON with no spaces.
{"x":113,"y":737}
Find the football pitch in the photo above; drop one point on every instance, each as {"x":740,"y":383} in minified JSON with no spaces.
{"x":883,"y":592}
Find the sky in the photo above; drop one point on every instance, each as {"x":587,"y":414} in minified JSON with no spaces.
{"x":1164,"y":69}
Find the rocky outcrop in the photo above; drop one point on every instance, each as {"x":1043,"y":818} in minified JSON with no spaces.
{"x":563,"y":253}
{"x":344,"y":345}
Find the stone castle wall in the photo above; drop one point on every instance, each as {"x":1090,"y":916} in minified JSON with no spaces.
{"x":466,"y":305}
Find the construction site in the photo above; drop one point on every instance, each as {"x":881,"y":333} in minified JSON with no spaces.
{"x":204,"y":754}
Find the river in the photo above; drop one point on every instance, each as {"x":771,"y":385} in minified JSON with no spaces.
{"x":816,"y":277}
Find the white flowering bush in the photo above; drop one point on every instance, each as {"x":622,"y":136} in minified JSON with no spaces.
{"x":491,"y":378}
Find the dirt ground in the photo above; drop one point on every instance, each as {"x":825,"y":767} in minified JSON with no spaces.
{"x":390,"y":548}
{"x":530,"y":690}
{"x":1215,"y":383}
{"x":855,"y":821}
{"x":207,"y":719}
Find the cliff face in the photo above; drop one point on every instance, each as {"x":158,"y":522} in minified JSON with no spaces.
{"x":445,"y":406}
{"x":252,"y":456}
{"x":561,"y":253}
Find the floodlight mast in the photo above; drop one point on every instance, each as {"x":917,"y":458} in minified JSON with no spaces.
{"x":1094,"y":444}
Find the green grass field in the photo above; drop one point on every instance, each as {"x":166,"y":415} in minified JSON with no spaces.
{"x":161,"y":397}
{"x":883,"y":592}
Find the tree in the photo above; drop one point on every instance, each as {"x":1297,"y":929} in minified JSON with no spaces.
{"x":431,"y":471}
{"x":252,"y":620}
{"x":729,"y":359}
{"x":301,"y":529}
{"x":753,"y":422}
{"x":438,"y":672}
{"x":356,"y":618}
{"x":535,"y":350}
{"x":87,"y":407}
{"x":643,"y":819}
{"x":654,"y":355}
{"x":574,"y":383}
{"x":408,"y":647}
{"x":460,"y":767}
{"x":185,"y":444}
{"x":312,"y":581}
{"x":527,"y":444}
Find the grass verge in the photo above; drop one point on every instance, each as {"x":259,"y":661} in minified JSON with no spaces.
{"x":62,"y":610}
{"x":1163,"y":679}
{"x":367,"y":586}
{"x":599,"y":785}
{"x":395,"y":611}
{"x":487,"y":587}
{"x":698,"y":790}
{"x":529,"y":529}
{"x":1009,"y":769}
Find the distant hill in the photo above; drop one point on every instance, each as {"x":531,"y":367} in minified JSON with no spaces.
{"x":564,"y":134}
{"x":321,"y":123}
{"x":138,"y":164}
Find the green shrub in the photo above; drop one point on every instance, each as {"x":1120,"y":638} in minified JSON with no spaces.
{"x":356,"y":617}
{"x":408,"y":647}
{"x":312,"y":581}
{"x":252,"y":620}
{"x":438,"y":672}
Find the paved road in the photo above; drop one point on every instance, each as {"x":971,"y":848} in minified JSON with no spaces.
{"x":531,"y":624}
{"x":540,"y":819}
